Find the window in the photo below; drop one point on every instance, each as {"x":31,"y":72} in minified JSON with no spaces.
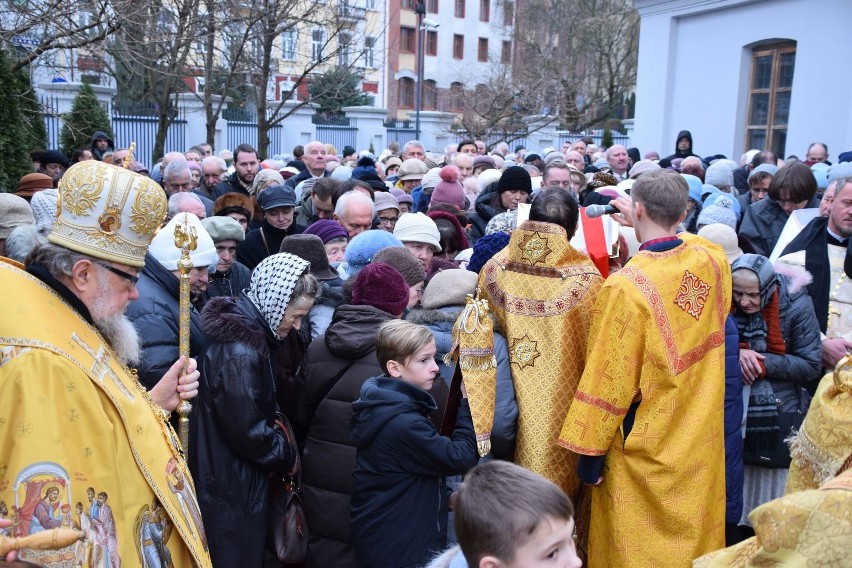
{"x":406,"y":93}
{"x":432,"y":6}
{"x":458,"y":46}
{"x":484,"y":10}
{"x":288,"y":44}
{"x":459,"y":8}
{"x":506,"y":53}
{"x":482,"y":51}
{"x":317,"y":44}
{"x":508,"y":13}
{"x":406,"y":40}
{"x":430,"y":95}
{"x":456,"y":97}
{"x":345,"y":41}
{"x":769,"y":96}
{"x":370,"y":52}
{"x":431,"y":42}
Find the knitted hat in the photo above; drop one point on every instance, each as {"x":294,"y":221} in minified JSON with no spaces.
{"x":505,"y":222}
{"x":694,"y":184}
{"x":276,"y":196}
{"x":724,"y":236}
{"x":837,"y":171}
{"x":384,"y":200}
{"x":514,"y":179}
{"x":431,"y":179}
{"x":43,"y":204}
{"x":327,"y":230}
{"x":341,"y":173}
{"x":820,"y":171}
{"x":643,"y":166}
{"x":366,"y":167}
{"x":449,"y":288}
{"x":224,"y":229}
{"x":381,"y":286}
{"x":719,"y":210}
{"x":108,"y":212}
{"x":404,"y":261}
{"x":53,"y":157}
{"x":485,"y":248}
{"x":32,"y":183}
{"x":362,"y":248}
{"x":402,"y":197}
{"x":412,"y":169}
{"x":449,"y":191}
{"x":440,"y":264}
{"x":14,"y":212}
{"x":719,"y":174}
{"x":163,"y":244}
{"x":311,"y":248}
{"x":233,"y":202}
{"x":417,"y":228}
{"x":771,"y":169}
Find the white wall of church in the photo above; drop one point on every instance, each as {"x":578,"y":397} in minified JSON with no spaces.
{"x":695,"y":66}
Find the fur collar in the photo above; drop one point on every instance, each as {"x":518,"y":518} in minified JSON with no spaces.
{"x":431,"y":317}
{"x":230,"y":320}
{"x":797,"y":276}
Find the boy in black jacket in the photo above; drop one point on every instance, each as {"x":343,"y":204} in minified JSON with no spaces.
{"x":401,"y":457}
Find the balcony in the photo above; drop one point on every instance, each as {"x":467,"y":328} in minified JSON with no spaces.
{"x":346,"y":12}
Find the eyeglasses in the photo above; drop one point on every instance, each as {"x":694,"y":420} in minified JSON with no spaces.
{"x":388,"y":220}
{"x":132,"y":278}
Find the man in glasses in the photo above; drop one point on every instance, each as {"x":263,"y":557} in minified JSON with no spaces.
{"x":386,"y":211}
{"x":70,"y":402}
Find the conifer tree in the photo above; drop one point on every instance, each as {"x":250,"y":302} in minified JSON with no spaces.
{"x":86,"y":117}
{"x":14,"y":140}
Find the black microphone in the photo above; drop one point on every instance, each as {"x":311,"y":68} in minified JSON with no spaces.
{"x":593,"y":211}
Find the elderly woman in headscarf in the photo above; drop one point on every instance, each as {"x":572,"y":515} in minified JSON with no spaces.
{"x":234,"y":441}
{"x":779,"y":354}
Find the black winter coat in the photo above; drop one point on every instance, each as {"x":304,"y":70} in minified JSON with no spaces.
{"x":233,"y":444}
{"x":228,"y":185}
{"x":156,"y":317}
{"x":484,"y":211}
{"x":401,"y":460}
{"x":254,"y":249}
{"x":348,"y":351}
{"x":229,"y":283}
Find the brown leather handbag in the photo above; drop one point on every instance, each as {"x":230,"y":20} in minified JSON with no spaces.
{"x":287,"y":534}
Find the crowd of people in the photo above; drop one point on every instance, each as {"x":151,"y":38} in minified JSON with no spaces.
{"x":471,"y":373}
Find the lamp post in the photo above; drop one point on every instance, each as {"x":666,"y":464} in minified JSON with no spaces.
{"x":420,"y":10}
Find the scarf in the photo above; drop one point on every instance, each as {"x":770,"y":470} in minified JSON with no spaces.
{"x":272,"y":284}
{"x":754,"y":329}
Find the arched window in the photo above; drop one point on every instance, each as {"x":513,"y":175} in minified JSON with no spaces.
{"x":430,"y":95}
{"x":406,"y":93}
{"x":456,"y":97}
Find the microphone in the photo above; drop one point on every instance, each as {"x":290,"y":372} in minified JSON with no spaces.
{"x":593,"y":211}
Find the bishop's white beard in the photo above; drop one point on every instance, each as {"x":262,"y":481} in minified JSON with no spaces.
{"x":114,"y":325}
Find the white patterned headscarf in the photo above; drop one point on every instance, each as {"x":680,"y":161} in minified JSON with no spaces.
{"x":272,"y":284}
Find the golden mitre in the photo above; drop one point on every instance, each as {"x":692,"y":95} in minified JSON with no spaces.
{"x":107,"y":212}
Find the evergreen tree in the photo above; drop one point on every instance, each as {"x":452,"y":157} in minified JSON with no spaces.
{"x":14,"y":140}
{"x":32,"y":113}
{"x":86,"y":116}
{"x":606,"y":139}
{"x":335,"y":89}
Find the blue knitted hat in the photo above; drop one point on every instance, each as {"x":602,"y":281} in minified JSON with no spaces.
{"x":694,"y":184}
{"x":718,"y":209}
{"x":485,"y":248}
{"x":362,"y":248}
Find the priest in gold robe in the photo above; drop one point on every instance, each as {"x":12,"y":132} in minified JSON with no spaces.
{"x":541,"y":291}
{"x":84,"y":444}
{"x":648,"y":416}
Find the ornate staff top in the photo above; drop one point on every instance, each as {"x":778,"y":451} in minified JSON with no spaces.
{"x":186,"y":239}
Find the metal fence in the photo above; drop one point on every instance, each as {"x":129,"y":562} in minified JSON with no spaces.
{"x":401,"y":134}
{"x":337,"y":135}
{"x":127,"y":128}
{"x":595,"y":135}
